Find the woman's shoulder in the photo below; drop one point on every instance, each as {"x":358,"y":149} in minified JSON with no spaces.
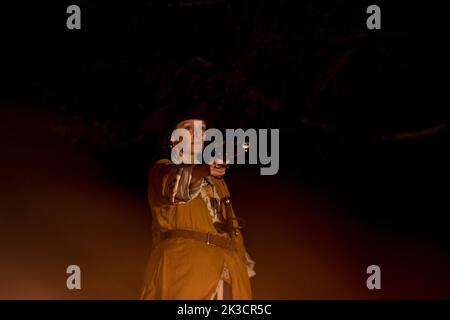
{"x":162,"y":161}
{"x":158,"y":165}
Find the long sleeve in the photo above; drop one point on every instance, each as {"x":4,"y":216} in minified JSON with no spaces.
{"x":172,"y":183}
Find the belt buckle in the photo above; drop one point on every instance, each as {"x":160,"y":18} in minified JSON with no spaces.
{"x":208,"y":239}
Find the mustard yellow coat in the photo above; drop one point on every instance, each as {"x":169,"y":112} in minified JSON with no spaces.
{"x":181,"y":268}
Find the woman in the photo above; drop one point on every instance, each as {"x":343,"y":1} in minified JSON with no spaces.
{"x":198,"y":250}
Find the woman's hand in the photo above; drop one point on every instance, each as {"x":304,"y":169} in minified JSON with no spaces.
{"x":217,"y":170}
{"x":201,"y":171}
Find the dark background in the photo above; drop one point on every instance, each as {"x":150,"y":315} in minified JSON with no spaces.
{"x":363,"y":122}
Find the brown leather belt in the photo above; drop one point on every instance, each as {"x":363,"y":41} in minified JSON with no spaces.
{"x":208,"y":238}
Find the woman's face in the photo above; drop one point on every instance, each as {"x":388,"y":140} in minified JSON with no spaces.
{"x":196,"y":128}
